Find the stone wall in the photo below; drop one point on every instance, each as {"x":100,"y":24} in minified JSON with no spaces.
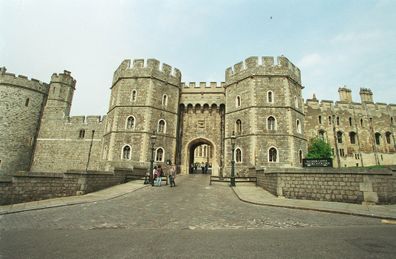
{"x":27,"y":186}
{"x":347,"y":185}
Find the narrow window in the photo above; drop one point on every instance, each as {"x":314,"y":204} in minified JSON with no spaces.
{"x":133,"y":96}
{"x":238,"y":101}
{"x":350,"y":121}
{"x":159,"y":155}
{"x":342,"y":153}
{"x":322,"y":135}
{"x":377,"y":138}
{"x":164,"y":100}
{"x":392,"y":120}
{"x":27,"y":102}
{"x":130,"y":122}
{"x":329,"y":120}
{"x":271,"y":125}
{"x":338,"y":121}
{"x":272,"y":155}
{"x":270,"y":98}
{"x":352,"y":137}
{"x":238,"y":155}
{"x":361,"y":123}
{"x":300,"y":156}
{"x":388,"y":137}
{"x":320,"y":119}
{"x":161,"y":126}
{"x":238,"y":125}
{"x":339,"y":137}
{"x":82,"y":134}
{"x":126,"y":152}
{"x":298,"y":124}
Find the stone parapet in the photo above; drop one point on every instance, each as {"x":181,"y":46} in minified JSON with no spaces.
{"x":351,"y":186}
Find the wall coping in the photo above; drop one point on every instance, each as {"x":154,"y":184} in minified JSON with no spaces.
{"x":332,"y":171}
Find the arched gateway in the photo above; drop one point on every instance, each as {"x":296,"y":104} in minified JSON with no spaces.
{"x":211,"y":156}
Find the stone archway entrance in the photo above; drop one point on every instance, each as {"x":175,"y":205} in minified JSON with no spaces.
{"x":198,"y":157}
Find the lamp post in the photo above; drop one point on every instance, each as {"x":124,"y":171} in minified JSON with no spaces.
{"x":232,"y":180}
{"x":153,"y":137}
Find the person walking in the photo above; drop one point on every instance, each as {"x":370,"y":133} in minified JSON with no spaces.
{"x":172,"y":176}
{"x":154,"y":176}
{"x":160,"y":173}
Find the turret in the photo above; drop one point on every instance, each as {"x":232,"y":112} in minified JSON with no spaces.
{"x":345,"y":94}
{"x":366,"y":95}
{"x":60,"y":95}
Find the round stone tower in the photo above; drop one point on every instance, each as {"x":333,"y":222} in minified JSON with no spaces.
{"x":144,"y":99}
{"x":21,"y":106}
{"x":264,"y":109}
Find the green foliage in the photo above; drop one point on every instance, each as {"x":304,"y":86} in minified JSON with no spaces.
{"x":318,"y":148}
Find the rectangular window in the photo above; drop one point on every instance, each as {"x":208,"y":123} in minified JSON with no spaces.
{"x":342,"y":152}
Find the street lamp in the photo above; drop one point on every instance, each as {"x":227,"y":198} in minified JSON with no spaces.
{"x":153,"y":137}
{"x":232,"y":180}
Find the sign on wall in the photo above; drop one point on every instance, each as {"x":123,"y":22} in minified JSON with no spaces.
{"x":312,"y":162}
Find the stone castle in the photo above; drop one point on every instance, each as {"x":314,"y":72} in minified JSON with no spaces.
{"x":260,"y":102}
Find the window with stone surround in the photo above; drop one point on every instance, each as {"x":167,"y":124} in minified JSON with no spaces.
{"x":126,"y":152}
{"x":159,"y":155}
{"x":298,"y":125}
{"x":321,"y":135}
{"x":361,"y":123}
{"x":164,"y":100}
{"x":378,"y":138}
{"x":270,"y":97}
{"x":130,"y":122}
{"x":329,"y":120}
{"x":238,"y":155}
{"x":320,"y":119}
{"x":352,"y":137}
{"x":388,"y":137}
{"x":341,"y":152}
{"x":338,"y":121}
{"x":238,"y":126}
{"x":27,"y":102}
{"x":271,"y":123}
{"x":350,"y":121}
{"x":161,"y":126}
{"x":82,"y":133}
{"x":272,"y":155}
{"x":238,"y":101}
{"x":133,"y":95}
{"x":339,"y":137}
{"x":300,"y":156}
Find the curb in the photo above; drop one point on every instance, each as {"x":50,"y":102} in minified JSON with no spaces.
{"x":313,"y":209}
{"x":70,"y":203}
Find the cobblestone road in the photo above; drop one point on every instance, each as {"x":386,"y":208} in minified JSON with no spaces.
{"x":193,"y":204}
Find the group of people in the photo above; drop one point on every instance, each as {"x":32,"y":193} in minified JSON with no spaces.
{"x":204,"y":168}
{"x":158,"y":173}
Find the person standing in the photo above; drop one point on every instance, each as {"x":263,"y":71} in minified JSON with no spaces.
{"x":160,"y":173}
{"x":172,"y":176}
{"x":154,"y":176}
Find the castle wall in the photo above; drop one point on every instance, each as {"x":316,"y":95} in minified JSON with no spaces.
{"x":60,"y":147}
{"x":250,"y":83}
{"x":21,"y":105}
{"x":363,"y":119}
{"x":148,"y":94}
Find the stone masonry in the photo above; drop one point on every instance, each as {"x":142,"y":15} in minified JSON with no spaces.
{"x":260,"y":102}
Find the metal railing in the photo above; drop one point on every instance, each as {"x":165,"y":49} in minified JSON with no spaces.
{"x":238,"y":179}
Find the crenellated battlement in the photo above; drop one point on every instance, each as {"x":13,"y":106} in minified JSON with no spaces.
{"x":63,"y":78}
{"x":266,"y":66}
{"x":85,"y":120}
{"x":202,"y":87}
{"x":22,"y":81}
{"x":147,"y":68}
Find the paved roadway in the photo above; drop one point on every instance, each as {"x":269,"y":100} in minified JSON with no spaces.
{"x":193,"y":220}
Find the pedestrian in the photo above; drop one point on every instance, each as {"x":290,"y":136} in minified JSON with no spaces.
{"x":172,"y":176}
{"x":154,"y":176}
{"x":206,"y":167}
{"x":160,"y":173}
{"x":147,"y":177}
{"x":203,"y":167}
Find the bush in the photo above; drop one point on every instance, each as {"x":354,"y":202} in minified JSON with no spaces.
{"x":318,"y":148}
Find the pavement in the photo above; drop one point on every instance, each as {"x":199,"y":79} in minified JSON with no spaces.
{"x":246,"y":192}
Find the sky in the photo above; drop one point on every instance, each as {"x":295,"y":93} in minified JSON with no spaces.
{"x":334,"y":43}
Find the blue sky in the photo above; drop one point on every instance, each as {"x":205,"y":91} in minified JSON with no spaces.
{"x":334,"y":43}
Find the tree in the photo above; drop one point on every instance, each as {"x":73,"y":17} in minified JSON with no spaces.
{"x":318,"y":148}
